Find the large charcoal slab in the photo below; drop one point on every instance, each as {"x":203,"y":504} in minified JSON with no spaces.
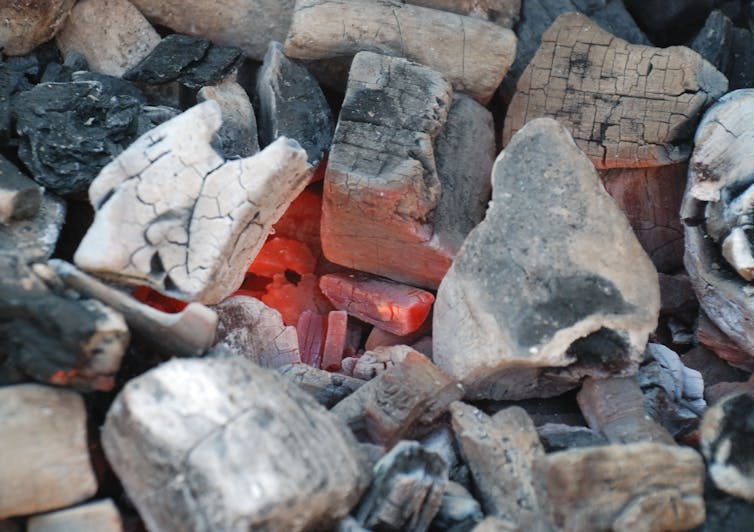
{"x":626,"y":105}
{"x":222,"y":444}
{"x":291,"y":104}
{"x":552,"y":286}
{"x":381,"y":184}
{"x":69,"y":131}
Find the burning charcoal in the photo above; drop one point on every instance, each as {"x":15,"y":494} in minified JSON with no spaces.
{"x":246,"y":24}
{"x":35,"y":238}
{"x":172,"y":214}
{"x":638,"y":486}
{"x":376,"y":361}
{"x":45,"y":460}
{"x":615,"y":408}
{"x":101,"y":516}
{"x":726,"y":435}
{"x":311,"y":328}
{"x":238,"y":133}
{"x":291,"y":104}
{"x":255,"y":331}
{"x":26,"y":25}
{"x":501,"y":12}
{"x":110,"y":34}
{"x":189,"y":332}
{"x":458,"y":511}
{"x":397,"y":308}
{"x":327,"y":388}
{"x":280,"y":254}
{"x":521,"y":312}
{"x":222,"y":444}
{"x":406,"y":491}
{"x":500,"y":452}
{"x":191,"y":61}
{"x":402,"y":401}
{"x":335,"y":340}
{"x":381,"y":338}
{"x":56,"y":338}
{"x":292,"y":297}
{"x":602,"y":89}
{"x":560,"y":437}
{"x":651,"y":199}
{"x":323,"y":29}
{"x":381,"y":183}
{"x":20,"y":197}
{"x":69,"y":131}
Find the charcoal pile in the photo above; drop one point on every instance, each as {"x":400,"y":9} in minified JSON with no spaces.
{"x":364,"y":265}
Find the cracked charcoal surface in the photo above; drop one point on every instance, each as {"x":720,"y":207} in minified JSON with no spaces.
{"x":626,"y":105}
{"x":69,"y":131}
{"x":189,"y":60}
{"x":171,"y":213}
{"x":290,"y":103}
{"x":574,"y":316}
{"x":179,"y":438}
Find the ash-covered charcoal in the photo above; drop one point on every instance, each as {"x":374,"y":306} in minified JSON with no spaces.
{"x":459,"y":510}
{"x":45,"y":461}
{"x":34,"y":238}
{"x":501,"y":452}
{"x":560,"y":437}
{"x":102,"y":516}
{"x":406,"y":490}
{"x":290,"y":103}
{"x":326,"y":387}
{"x":522,"y":311}
{"x":171,"y":213}
{"x":442,"y":441}
{"x":191,"y":61}
{"x":222,"y":444}
{"x":20,"y":197}
{"x":70,"y":131}
{"x":26,"y":25}
{"x":238,"y":134}
{"x":726,"y":435}
{"x":718,"y":213}
{"x":627,"y":106}
{"x":502,"y":12}
{"x":112,"y":35}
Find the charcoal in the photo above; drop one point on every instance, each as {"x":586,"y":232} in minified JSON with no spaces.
{"x":376,"y":361}
{"x":191,"y":61}
{"x":171,"y":213}
{"x":620,"y":117}
{"x":110,"y":84}
{"x":45,"y":460}
{"x":153,"y":115}
{"x":670,"y":21}
{"x":725,"y":513}
{"x":638,"y":486}
{"x":335,"y":340}
{"x":459,"y":510}
{"x":290,"y":103}
{"x":501,"y":451}
{"x":406,"y":490}
{"x":561,"y":437}
{"x":323,"y":29}
{"x":20,"y":197}
{"x":714,"y":40}
{"x":442,"y":442}
{"x":677,"y":295}
{"x":238,"y":134}
{"x":572,"y":317}
{"x":502,"y":12}
{"x":26,"y":25}
{"x":712,"y":368}
{"x":327,"y":388}
{"x":110,"y":34}
{"x":101,"y":516}
{"x":222,"y":444}
{"x":69,"y":131}
{"x":5,"y":109}
{"x":741,"y":65}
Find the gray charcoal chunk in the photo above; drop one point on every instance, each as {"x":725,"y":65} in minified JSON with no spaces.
{"x":20,"y":197}
{"x":560,"y":437}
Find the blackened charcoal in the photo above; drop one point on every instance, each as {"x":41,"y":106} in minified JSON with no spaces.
{"x":189,"y":60}
{"x":290,"y":103}
{"x":714,"y":39}
{"x":153,"y":115}
{"x":110,"y":84}
{"x":5,"y":92}
{"x":669,"y":22}
{"x":741,"y":66}
{"x":69,"y":131}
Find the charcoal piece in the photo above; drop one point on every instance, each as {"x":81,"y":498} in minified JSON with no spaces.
{"x":222,"y":444}
{"x":20,"y":197}
{"x":69,"y":131}
{"x":459,"y":510}
{"x":5,"y":109}
{"x":110,"y":34}
{"x":326,"y":387}
{"x":55,"y":338}
{"x":714,"y":40}
{"x":191,"y":61}
{"x":741,"y":65}
{"x":726,"y":435}
{"x":404,"y":401}
{"x":349,"y":524}
{"x":406,"y":490}
{"x":726,"y":513}
{"x":670,"y":21}
{"x":677,"y":295}
{"x":35,"y":238}
{"x":573,"y":317}
{"x":442,"y":442}
{"x":502,"y":12}
{"x":560,"y":437}
{"x":376,"y":361}
{"x":381,"y":183}
{"x":443,"y":41}
{"x":26,"y":24}
{"x":290,"y":103}
{"x":238,"y":134}
{"x":153,"y":115}
{"x":102,"y":516}
{"x":627,"y":106}
{"x":110,"y":84}
{"x":173,"y":214}
{"x":712,"y":368}
{"x":501,"y":452}
{"x":45,"y":460}
{"x":637,"y":486}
